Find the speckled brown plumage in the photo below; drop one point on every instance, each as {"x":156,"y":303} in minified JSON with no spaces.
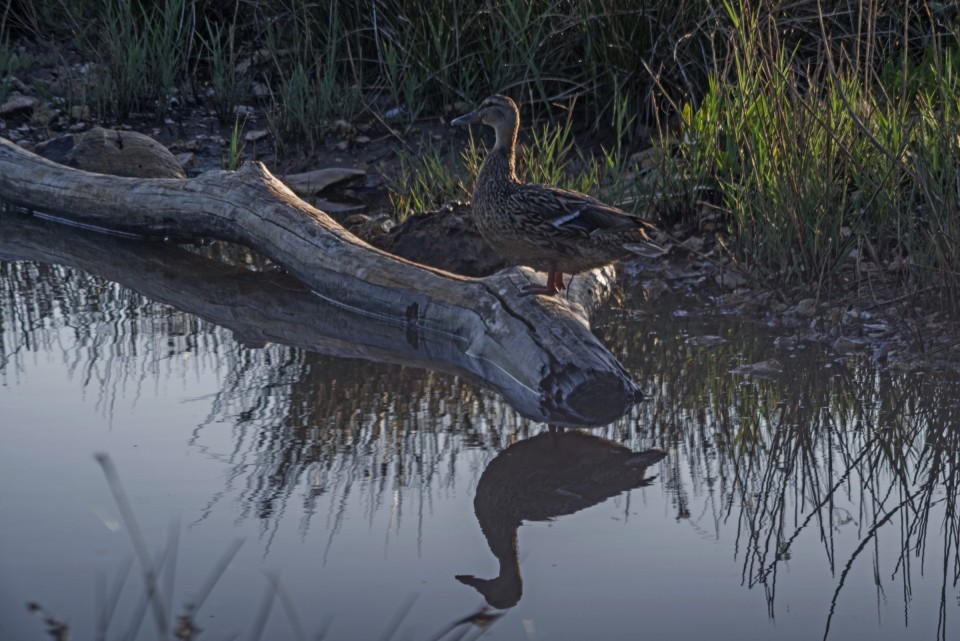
{"x":547,"y":228}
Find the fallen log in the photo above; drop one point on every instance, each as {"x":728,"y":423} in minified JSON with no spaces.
{"x":262,"y":307}
{"x":538,"y":344}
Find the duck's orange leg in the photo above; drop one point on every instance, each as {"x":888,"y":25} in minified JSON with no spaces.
{"x":553,"y":286}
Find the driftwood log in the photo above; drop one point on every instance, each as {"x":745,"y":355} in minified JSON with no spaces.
{"x":525,"y":347}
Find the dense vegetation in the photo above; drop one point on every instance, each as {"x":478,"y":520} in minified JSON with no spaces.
{"x":812,"y":133}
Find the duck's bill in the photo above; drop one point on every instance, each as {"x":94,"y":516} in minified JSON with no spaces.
{"x":471,"y":118}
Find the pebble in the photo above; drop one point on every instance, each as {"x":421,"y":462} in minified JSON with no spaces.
{"x":807,"y":308}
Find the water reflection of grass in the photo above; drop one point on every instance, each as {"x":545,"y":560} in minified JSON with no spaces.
{"x":333,"y":430}
{"x":828,"y":445}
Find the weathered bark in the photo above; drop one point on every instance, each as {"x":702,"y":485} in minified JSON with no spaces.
{"x":537,"y":344}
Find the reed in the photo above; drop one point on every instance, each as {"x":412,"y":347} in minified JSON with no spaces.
{"x":815,"y":159}
{"x":823,"y":138}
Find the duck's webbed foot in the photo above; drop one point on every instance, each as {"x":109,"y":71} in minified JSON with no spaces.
{"x":552,"y":288}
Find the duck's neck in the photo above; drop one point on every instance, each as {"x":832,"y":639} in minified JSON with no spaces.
{"x":501,"y":163}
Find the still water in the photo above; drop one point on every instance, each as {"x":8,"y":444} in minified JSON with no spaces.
{"x":316,"y":484}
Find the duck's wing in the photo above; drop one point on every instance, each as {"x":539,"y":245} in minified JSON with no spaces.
{"x":570,"y":210}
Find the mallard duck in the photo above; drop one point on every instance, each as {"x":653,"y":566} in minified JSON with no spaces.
{"x":555,"y":230}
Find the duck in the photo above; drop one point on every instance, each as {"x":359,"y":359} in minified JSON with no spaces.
{"x":550,"y":229}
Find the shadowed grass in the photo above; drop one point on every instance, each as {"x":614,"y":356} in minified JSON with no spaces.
{"x":230,"y":86}
{"x":818,"y":134}
{"x":427,"y":180}
{"x":142,"y":51}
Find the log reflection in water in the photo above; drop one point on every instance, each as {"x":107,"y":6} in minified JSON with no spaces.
{"x":538,"y":479}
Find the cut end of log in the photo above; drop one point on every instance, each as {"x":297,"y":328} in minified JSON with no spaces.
{"x":587,"y":399}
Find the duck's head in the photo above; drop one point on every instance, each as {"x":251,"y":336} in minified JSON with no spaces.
{"x":497,"y":111}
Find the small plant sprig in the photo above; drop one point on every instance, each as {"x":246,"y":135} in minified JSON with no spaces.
{"x":237,"y":145}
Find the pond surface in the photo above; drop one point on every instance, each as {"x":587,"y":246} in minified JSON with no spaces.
{"x":371,"y":500}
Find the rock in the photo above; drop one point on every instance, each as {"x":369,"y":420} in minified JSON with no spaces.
{"x":313,"y":182}
{"x":647,"y":159}
{"x":16,"y":84}
{"x":343,"y":128}
{"x":255,"y":135}
{"x":57,"y":149}
{"x":118,"y":153}
{"x":80,"y":112}
{"x":369,"y":228}
{"x":807,"y":308}
{"x":395,"y":113}
{"x":731,"y":279}
{"x":786,"y":342}
{"x":17,"y":103}
{"x":187,"y":160}
{"x":196,"y":144}
{"x":693,"y":244}
{"x":336,"y":207}
{"x":844,"y":345}
{"x":763,"y":369}
{"x":708,"y":340}
{"x":260,"y":90}
{"x":881,"y":352}
{"x":655,"y":288}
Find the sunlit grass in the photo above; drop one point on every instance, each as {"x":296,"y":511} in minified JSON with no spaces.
{"x":435,"y":174}
{"x":426,"y":180}
{"x":811,"y":162}
{"x":235,"y":149}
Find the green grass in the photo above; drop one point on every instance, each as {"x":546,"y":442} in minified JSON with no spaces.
{"x":428,"y":179}
{"x":815,"y":137}
{"x":812,"y":161}
{"x":223,"y":56}
{"x":235,"y":151}
{"x":10,"y":62}
{"x":141,"y":52}
{"x":434,"y":174}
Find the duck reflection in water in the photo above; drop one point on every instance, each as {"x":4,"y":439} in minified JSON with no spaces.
{"x":555,"y":473}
